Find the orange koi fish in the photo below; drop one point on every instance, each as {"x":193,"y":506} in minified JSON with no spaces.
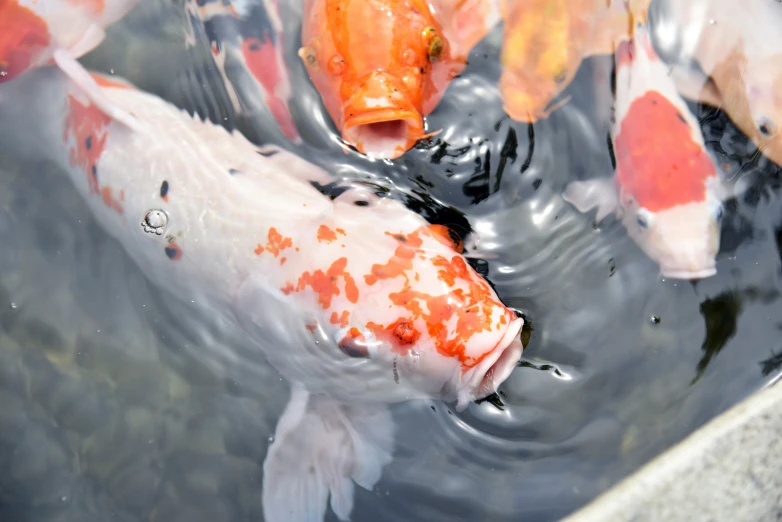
{"x":738,"y":46}
{"x":666,"y":190}
{"x":31,"y":31}
{"x":545,"y":41}
{"x":382,"y":65}
{"x":357,"y":301}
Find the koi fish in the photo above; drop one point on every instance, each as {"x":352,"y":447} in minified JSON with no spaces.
{"x":358,"y":301}
{"x":381,"y":66}
{"x":247,"y":43}
{"x":32,"y":30}
{"x":737,"y":49}
{"x":666,"y":189}
{"x":545,"y":41}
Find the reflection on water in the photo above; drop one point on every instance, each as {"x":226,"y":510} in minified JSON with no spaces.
{"x":119,"y":403}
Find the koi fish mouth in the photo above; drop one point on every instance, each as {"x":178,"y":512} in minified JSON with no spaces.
{"x":689,"y":274}
{"x":494,"y":369}
{"x":385,"y":134}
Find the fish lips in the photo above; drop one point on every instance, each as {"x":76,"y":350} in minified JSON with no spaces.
{"x":383,"y":125}
{"x":485,"y":377}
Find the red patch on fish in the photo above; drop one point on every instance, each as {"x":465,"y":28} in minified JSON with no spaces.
{"x":85,"y":131}
{"x":23,"y":36}
{"x":657,"y":160}
{"x":263,"y":60}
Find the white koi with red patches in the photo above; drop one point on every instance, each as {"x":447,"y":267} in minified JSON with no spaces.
{"x":666,"y":189}
{"x":365,"y":304}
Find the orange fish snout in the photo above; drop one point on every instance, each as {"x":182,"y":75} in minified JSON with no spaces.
{"x":379,"y":119}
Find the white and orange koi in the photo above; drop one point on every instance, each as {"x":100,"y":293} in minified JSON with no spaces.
{"x":357,"y":301}
{"x":666,"y":190}
{"x":247,"y":43}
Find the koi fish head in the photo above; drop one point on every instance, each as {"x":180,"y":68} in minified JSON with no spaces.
{"x":764,"y":100}
{"x":379,"y":67}
{"x":670,"y":193}
{"x":683,"y":239}
{"x":24,"y":38}
{"x":403,"y":305}
{"x":425,"y":310}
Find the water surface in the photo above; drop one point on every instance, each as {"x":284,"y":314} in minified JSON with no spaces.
{"x":117,"y":402}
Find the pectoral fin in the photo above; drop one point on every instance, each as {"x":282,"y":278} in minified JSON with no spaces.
{"x":87,"y":85}
{"x":586,"y":195}
{"x":91,"y":39}
{"x":321,"y":448}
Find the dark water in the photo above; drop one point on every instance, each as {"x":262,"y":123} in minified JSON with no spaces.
{"x":113,"y":407}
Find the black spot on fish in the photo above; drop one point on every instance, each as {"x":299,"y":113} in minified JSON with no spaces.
{"x":164,"y":189}
{"x":173,"y":252}
{"x":654,"y":102}
{"x":267,"y":153}
{"x":233,"y":172}
{"x":352,"y":349}
{"x":400,"y":238}
{"x":88,"y":142}
{"x":361,"y":203}
{"x":95,"y":172}
{"x":681,"y":118}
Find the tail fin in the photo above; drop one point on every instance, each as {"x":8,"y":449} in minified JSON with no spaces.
{"x":321,"y":448}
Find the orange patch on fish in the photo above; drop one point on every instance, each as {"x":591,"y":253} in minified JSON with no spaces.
{"x":340,"y":319}
{"x":400,"y":262}
{"x":326,"y":234}
{"x":109,"y":201}
{"x":325,"y":284}
{"x":86,"y":129}
{"x":111,"y":83}
{"x":447,"y":237}
{"x":23,"y":36}
{"x":400,"y":335}
{"x":95,"y":7}
{"x":657,"y":160}
{"x":276,"y":243}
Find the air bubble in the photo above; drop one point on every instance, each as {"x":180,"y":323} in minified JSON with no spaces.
{"x":154,"y":222}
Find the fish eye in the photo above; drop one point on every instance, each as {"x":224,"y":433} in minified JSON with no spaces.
{"x":644,"y":218}
{"x":719,"y":213}
{"x":308,"y":55}
{"x":435,"y":44}
{"x":766,"y":126}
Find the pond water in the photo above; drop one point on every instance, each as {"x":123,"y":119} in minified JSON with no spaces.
{"x":118,"y":402}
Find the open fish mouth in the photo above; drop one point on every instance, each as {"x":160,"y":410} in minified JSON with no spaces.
{"x":486,"y":377}
{"x":689,"y":274}
{"x":383,"y":134}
